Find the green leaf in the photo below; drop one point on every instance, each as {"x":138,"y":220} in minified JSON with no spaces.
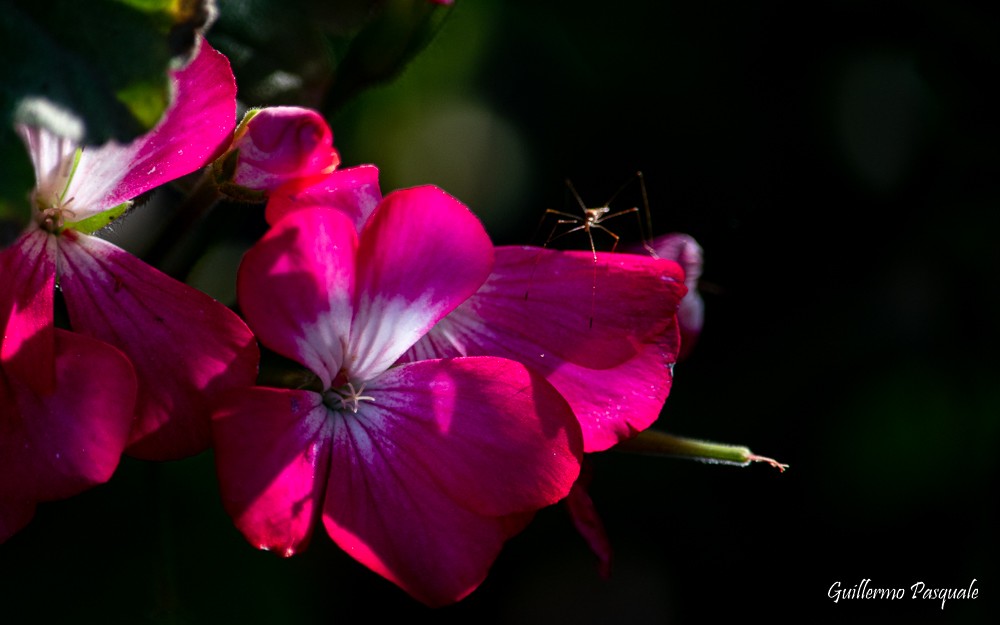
{"x":277,"y":47}
{"x":381,"y":50}
{"x":91,"y":71}
{"x":101,"y":220}
{"x":320,"y":54}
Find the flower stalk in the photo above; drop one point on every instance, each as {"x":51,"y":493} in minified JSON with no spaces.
{"x":655,"y":442}
{"x":195,"y":207}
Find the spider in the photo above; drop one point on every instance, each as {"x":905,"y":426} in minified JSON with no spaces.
{"x":594,"y":218}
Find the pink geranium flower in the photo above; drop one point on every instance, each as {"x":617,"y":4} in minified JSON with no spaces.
{"x":420,"y":471}
{"x":605,"y":334}
{"x":183,"y":346}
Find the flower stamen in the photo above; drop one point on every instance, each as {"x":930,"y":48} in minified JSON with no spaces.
{"x":54,"y":214}
{"x":346,"y":397}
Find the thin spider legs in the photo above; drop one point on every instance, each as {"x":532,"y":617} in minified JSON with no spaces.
{"x":594,"y":218}
{"x":591,"y":221}
{"x":647,"y":236}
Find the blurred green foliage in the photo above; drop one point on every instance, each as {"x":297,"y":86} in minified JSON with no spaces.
{"x":320,"y":54}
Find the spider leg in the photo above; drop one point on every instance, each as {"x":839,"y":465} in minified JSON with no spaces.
{"x":614,"y":236}
{"x":569,"y":218}
{"x":552,"y":211}
{"x":579,"y":200}
{"x":583,"y":226}
{"x":624,"y":212}
{"x":647,"y":235}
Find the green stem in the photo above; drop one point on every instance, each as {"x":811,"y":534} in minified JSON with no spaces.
{"x":660,"y":443}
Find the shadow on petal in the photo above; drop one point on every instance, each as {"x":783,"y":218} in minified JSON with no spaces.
{"x":272,"y":456}
{"x":185,"y":346}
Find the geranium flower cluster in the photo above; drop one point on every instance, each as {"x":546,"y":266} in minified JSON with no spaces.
{"x":456,"y":385}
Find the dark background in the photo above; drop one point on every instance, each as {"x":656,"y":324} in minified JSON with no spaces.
{"x":838,"y":163}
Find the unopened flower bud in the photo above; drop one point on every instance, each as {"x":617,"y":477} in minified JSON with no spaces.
{"x":684,"y":250}
{"x":274,"y":145}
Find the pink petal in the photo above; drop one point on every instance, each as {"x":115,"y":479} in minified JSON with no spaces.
{"x":514,"y":524}
{"x":353,"y":191}
{"x":272,"y":454}
{"x":295,"y":288}
{"x":414,"y":536}
{"x":196,"y":128}
{"x":617,"y":403}
{"x":422,"y":253}
{"x":427,"y":481}
{"x":14,"y":516}
{"x":588,"y":523}
{"x":488,"y":413}
{"x":604,"y":335}
{"x":26,"y":310}
{"x":52,"y":158}
{"x":186,"y":347}
{"x":58,"y":444}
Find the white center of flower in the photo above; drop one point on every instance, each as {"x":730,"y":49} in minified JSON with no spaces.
{"x":346,"y":397}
